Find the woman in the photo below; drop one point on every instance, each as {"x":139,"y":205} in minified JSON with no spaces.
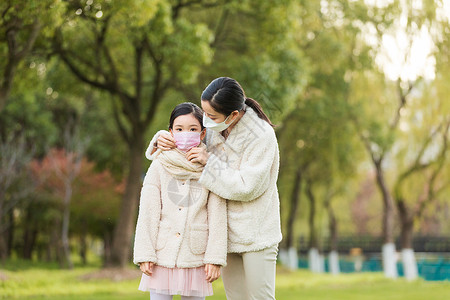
{"x":241,"y":165}
{"x":181,"y":232}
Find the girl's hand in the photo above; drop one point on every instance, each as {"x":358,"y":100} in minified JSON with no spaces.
{"x":197,"y":154}
{"x":212,"y":272}
{"x":146,"y":268}
{"x":165,"y":142}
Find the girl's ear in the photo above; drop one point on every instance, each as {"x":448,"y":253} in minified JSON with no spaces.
{"x":203,"y":134}
{"x":171,"y":131}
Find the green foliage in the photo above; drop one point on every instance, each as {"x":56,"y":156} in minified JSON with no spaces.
{"x":28,"y":115}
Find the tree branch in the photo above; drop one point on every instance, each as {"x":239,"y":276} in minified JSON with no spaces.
{"x":416,"y":166}
{"x":402,"y":102}
{"x":120,"y":125}
{"x":220,"y":26}
{"x":432,"y":192}
{"x":35,"y":29}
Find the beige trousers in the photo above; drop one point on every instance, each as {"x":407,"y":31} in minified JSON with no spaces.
{"x":251,"y":275}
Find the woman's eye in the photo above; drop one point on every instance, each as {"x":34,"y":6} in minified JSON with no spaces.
{"x":193,"y":129}
{"x":178,"y":129}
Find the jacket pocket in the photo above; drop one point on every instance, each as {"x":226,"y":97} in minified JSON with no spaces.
{"x":241,"y":230}
{"x":163,"y":234}
{"x":198,"y":238}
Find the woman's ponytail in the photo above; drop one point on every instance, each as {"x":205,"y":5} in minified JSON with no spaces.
{"x":258,"y":110}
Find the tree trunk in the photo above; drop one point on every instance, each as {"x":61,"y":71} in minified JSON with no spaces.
{"x":333,"y":227}
{"x":315,"y":260}
{"x":388,"y":206}
{"x":406,"y":237}
{"x":11,"y":228}
{"x":65,"y":243}
{"x":333,"y":259}
{"x":388,"y":249}
{"x":3,"y":247}
{"x":122,"y":239}
{"x":406,"y":233}
{"x":107,"y":244}
{"x":83,"y":249}
{"x":313,"y":241}
{"x":289,"y":256}
{"x":83,"y":245}
{"x":29,"y":234}
{"x":29,"y":241}
{"x":295,"y":199}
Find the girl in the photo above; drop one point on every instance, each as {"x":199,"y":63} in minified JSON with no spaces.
{"x":181,"y":232}
{"x":241,"y":165}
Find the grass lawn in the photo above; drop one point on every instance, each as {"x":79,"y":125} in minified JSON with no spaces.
{"x":48,"y":282}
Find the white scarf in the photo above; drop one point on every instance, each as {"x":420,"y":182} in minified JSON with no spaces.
{"x":175,"y":162}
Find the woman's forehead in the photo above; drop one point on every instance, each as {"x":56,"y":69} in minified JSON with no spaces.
{"x":207,"y":108}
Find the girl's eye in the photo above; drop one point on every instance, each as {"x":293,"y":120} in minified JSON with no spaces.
{"x":193,"y":129}
{"x":178,"y":129}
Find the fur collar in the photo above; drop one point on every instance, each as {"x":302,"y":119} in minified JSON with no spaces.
{"x":175,"y":163}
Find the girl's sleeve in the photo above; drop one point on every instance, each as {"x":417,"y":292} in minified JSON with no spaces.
{"x":248,"y":182}
{"x":149,"y":215}
{"x":151,"y":146}
{"x":216,"y":249}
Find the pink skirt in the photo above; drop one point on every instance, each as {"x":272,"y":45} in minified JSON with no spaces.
{"x":177,"y":281}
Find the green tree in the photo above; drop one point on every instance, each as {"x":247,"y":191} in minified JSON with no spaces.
{"x":135,"y":52}
{"x":317,"y":146}
{"x":22,"y":22}
{"x":379,"y":116}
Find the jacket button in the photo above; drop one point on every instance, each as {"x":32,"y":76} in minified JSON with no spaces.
{"x":178,"y":234}
{"x":180,"y":208}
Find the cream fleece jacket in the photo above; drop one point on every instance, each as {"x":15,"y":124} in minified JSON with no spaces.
{"x":180,"y":223}
{"x":244,"y":170}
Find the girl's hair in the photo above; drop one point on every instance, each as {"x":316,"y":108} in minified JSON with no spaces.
{"x":186,"y":108}
{"x":226,"y":95}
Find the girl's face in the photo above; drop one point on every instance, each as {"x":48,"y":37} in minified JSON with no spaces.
{"x":187,"y":123}
{"x":216,"y":116}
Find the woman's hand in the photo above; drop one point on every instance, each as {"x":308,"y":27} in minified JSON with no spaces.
{"x":146,"y":268}
{"x":165,"y":142}
{"x":212,"y":272}
{"x":197,"y":154}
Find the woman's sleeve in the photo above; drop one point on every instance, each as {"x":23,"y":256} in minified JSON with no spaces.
{"x":216,"y":249}
{"x":149,"y":215}
{"x":151,"y":146}
{"x":248,"y":182}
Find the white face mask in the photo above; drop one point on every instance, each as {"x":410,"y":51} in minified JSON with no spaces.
{"x":218,"y":127}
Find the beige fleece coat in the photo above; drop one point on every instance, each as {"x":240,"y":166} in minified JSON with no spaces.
{"x":244,"y":170}
{"x":180,"y":223}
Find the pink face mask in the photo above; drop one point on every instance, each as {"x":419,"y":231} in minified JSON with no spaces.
{"x":186,"y":140}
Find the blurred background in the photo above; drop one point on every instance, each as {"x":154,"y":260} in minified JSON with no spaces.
{"x":359,"y":91}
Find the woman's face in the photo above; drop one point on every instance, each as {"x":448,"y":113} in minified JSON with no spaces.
{"x":187,"y":123}
{"x":216,"y":116}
